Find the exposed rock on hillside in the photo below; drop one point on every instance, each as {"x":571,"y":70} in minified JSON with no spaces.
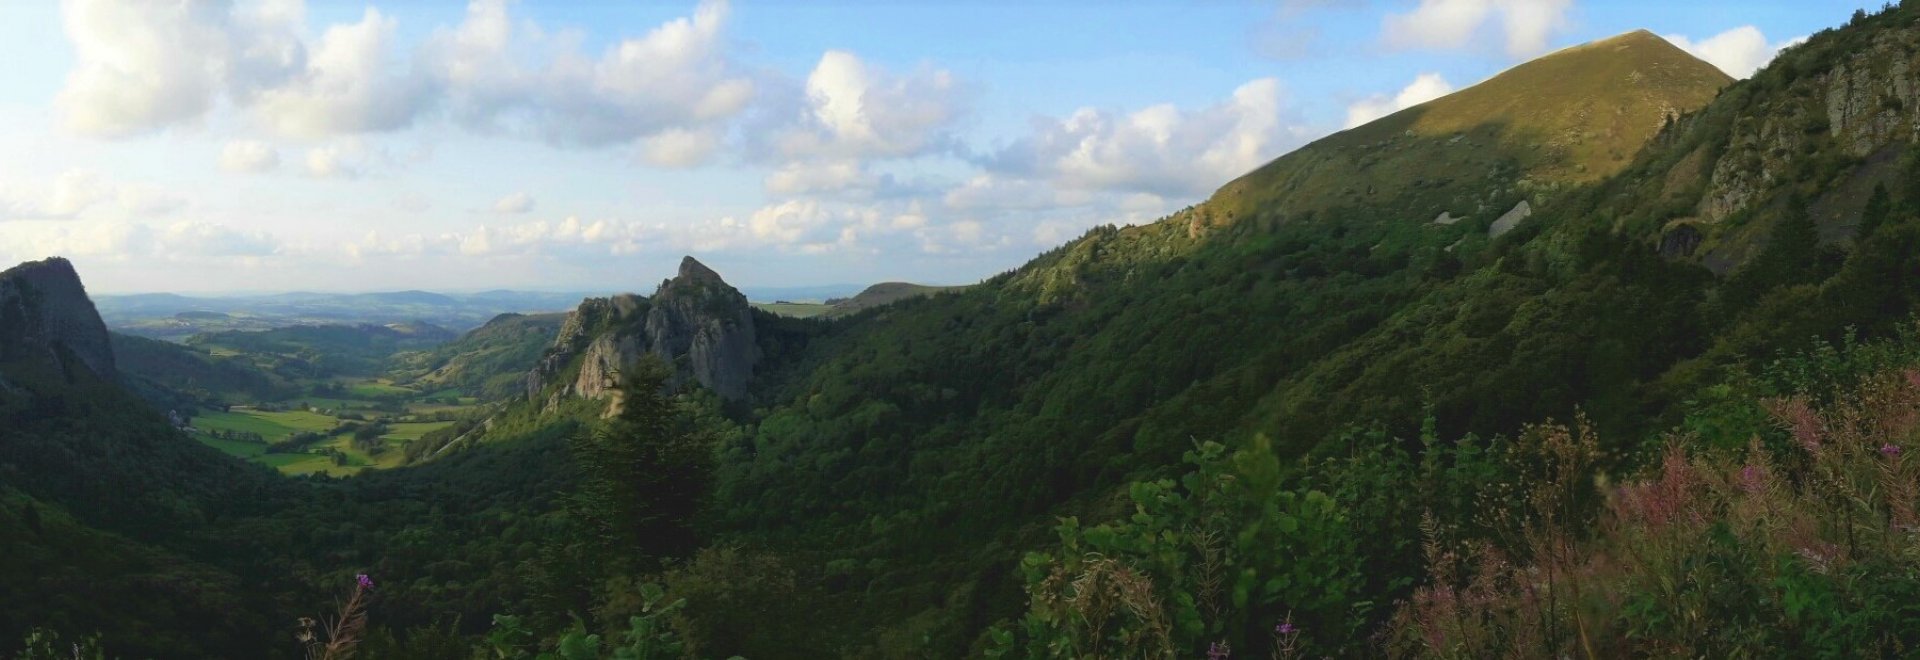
{"x":47,"y":319}
{"x":704,"y":328}
{"x":694,"y":322}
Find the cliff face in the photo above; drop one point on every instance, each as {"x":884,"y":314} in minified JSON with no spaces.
{"x":695,"y":322}
{"x":704,"y":328}
{"x":46,"y":319}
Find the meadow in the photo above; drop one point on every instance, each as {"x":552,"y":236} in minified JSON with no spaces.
{"x":326,"y":415}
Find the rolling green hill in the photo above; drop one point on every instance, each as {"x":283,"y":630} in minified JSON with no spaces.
{"x":489,"y":362}
{"x":884,"y":293}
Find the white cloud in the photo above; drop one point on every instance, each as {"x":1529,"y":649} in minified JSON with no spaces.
{"x":519,"y":202}
{"x":249,"y":156}
{"x":1160,"y":149}
{"x":185,"y":240}
{"x":1739,"y":52}
{"x":145,"y":66}
{"x":1424,"y":88}
{"x":667,"y":84}
{"x":680,"y":147}
{"x":336,"y":161}
{"x":855,"y":110}
{"x":77,"y":191}
{"x":346,"y":86}
{"x":1525,"y":25}
{"x":139,"y":65}
{"x":204,"y":239}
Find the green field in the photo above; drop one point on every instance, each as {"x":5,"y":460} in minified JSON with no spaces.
{"x":378,"y":389}
{"x":404,"y":432}
{"x":274,"y":426}
{"x":270,"y":425}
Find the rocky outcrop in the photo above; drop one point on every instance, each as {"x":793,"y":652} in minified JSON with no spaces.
{"x":46,"y":319}
{"x":1507,"y":221}
{"x":594,"y":318}
{"x":704,"y":328}
{"x":695,"y":322}
{"x":1868,"y":99}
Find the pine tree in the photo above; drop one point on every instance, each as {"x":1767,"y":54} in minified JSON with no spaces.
{"x":645,"y":472}
{"x":1879,"y":206}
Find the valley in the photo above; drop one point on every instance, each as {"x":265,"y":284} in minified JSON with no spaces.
{"x":1611,"y":354}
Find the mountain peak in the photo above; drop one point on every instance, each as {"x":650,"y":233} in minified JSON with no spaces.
{"x":1569,"y":117}
{"x":691,"y":269}
{"x":46,"y":318}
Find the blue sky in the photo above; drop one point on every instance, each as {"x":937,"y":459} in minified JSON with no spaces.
{"x":275,"y":145}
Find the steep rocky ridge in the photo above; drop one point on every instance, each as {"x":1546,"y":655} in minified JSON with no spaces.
{"x":46,"y":320}
{"x":695,"y":322}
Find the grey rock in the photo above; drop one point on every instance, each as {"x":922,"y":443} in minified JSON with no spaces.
{"x":46,"y":318}
{"x":695,"y":322}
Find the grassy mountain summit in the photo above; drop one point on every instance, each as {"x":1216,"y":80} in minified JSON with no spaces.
{"x":1573,"y":116}
{"x":884,"y":293}
{"x":1431,"y":183}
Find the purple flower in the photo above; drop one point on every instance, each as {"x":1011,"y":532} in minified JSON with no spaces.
{"x":1285,"y":628}
{"x":365,"y":582}
{"x":1889,"y":450}
{"x":1751,"y":480}
{"x":1219,"y":651}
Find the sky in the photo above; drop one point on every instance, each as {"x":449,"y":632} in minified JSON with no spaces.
{"x":204,"y":146}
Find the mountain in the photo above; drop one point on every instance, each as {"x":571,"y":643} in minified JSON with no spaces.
{"x":489,"y":362}
{"x":174,"y":318}
{"x":695,"y":322}
{"x":884,"y":293}
{"x":173,"y":376}
{"x":1291,"y":304}
{"x":47,"y":321}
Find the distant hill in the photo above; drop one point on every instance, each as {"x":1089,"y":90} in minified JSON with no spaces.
{"x":174,"y":317}
{"x":489,"y":362}
{"x":884,"y":293}
{"x":325,"y":350}
{"x":172,"y":375}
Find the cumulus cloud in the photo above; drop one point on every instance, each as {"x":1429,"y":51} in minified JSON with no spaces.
{"x":76,"y":191}
{"x":248,"y":156}
{"x":140,"y":65}
{"x":145,"y":66}
{"x":519,"y":202}
{"x":347,"y":85}
{"x":1739,"y":52}
{"x":674,"y":79}
{"x":1160,"y":149}
{"x":1525,"y":25}
{"x":127,"y":239}
{"x":852,"y":109}
{"x":336,"y":161}
{"x":1424,"y":88}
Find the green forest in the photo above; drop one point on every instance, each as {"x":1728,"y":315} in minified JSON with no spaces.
{"x":1665,"y":414}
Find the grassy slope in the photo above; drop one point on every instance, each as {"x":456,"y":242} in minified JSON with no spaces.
{"x":486,"y":362}
{"x":884,"y":293}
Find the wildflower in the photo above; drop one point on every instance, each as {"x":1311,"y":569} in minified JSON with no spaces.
{"x":1219,"y":651}
{"x":1752,"y":480}
{"x":365,"y":582}
{"x":1285,"y":628}
{"x":1889,"y":450}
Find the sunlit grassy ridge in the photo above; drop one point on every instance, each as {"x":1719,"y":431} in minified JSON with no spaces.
{"x":1574,"y":116}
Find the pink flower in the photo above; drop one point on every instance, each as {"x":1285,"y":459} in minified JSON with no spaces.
{"x":1889,"y":450}
{"x":365,"y":582}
